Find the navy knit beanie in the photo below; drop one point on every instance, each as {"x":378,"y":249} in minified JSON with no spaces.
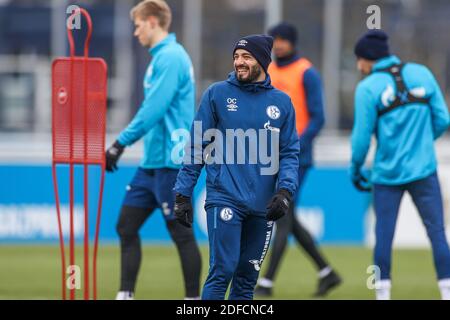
{"x":373,"y":45}
{"x":285,"y":31}
{"x":259,"y":46}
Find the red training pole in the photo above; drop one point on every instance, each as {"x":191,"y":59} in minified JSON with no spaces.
{"x":79,"y":90}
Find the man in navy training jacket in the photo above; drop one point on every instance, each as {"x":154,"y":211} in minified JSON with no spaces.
{"x":244,"y":199}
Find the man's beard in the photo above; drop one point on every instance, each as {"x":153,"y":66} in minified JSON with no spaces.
{"x":255,"y":72}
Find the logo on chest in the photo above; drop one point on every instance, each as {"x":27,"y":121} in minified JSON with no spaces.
{"x":232,"y":104}
{"x":273,"y":112}
{"x":267,"y":126}
{"x":148,"y":76}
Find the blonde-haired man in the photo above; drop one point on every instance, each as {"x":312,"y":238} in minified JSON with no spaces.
{"x":169,"y":104}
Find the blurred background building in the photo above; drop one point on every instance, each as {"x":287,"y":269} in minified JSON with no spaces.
{"x":33,"y":33}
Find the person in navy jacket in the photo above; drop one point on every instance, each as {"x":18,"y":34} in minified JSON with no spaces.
{"x":296,"y":76}
{"x":250,"y":183}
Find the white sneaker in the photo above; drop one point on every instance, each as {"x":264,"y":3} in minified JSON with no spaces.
{"x":383,"y":289}
{"x":444,"y":287}
{"x":125,"y":295}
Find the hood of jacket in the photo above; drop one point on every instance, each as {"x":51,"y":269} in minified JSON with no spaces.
{"x":251,"y":87}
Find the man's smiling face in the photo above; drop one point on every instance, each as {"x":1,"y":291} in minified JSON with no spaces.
{"x":246,"y":66}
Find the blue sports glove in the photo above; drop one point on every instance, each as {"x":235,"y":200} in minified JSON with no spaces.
{"x":360,"y":179}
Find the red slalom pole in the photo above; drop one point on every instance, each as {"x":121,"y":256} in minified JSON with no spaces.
{"x":72,"y":232}
{"x":86,"y":234}
{"x":79,"y":91}
{"x":60,"y":232}
{"x":97,"y":230}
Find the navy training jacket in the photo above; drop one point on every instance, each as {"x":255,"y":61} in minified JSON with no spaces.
{"x":255,"y":109}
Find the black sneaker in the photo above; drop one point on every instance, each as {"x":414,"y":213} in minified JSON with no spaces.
{"x":263,"y":291}
{"x":327,"y":283}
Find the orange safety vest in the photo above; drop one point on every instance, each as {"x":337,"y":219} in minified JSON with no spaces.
{"x":289,"y":79}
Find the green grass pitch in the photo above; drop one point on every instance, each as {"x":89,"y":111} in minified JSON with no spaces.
{"x":33,"y":272}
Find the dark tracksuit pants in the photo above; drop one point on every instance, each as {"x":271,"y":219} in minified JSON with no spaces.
{"x":151,"y":189}
{"x":287,"y":225}
{"x":238,"y":242}
{"x":426,"y":194}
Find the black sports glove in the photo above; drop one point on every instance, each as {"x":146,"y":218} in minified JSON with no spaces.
{"x":112,"y":156}
{"x":360,"y":180}
{"x":362,"y":184}
{"x":279,"y":205}
{"x":183,"y":210}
